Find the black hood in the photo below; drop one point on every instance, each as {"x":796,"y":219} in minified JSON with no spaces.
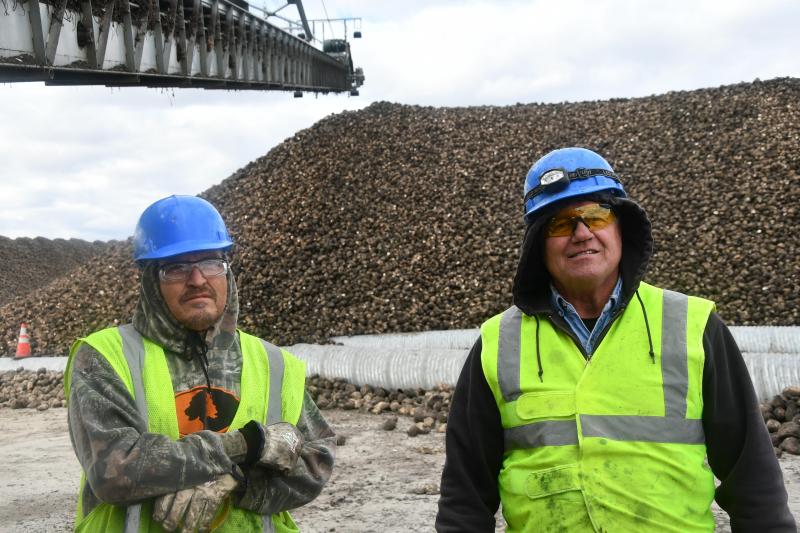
{"x":532,"y":281}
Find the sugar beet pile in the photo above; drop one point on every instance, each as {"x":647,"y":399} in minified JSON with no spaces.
{"x":32,"y":263}
{"x":405,"y":218}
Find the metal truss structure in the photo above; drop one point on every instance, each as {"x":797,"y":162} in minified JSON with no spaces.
{"x":210,"y":44}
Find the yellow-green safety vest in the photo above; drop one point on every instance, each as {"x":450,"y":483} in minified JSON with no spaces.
{"x":272,"y":390}
{"x":612,"y":443}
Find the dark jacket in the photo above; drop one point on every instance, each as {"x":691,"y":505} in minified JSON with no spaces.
{"x":738,"y":446}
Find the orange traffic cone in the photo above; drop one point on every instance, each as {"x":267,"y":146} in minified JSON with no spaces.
{"x":24,"y":344}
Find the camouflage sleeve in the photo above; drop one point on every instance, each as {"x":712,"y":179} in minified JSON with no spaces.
{"x":268,"y":492}
{"x":122,"y":461}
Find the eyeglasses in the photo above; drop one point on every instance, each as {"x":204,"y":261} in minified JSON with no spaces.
{"x":595,"y":216}
{"x":181,"y":271}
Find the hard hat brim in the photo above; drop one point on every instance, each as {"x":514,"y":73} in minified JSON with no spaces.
{"x":185,"y":248}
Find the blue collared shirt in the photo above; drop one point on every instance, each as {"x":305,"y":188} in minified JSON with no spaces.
{"x":587,"y":338}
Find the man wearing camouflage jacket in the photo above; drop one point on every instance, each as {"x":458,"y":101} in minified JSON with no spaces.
{"x":179,"y":420}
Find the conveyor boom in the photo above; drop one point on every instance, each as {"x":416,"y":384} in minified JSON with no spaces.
{"x":213,"y":44}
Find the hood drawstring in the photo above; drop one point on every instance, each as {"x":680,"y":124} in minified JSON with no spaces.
{"x":538,"y":353}
{"x":647,"y":326}
{"x":198,"y":347}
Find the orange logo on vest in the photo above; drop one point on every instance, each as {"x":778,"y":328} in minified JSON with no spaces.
{"x":201,"y":408}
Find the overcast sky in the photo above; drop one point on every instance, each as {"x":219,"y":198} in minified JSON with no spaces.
{"x":84,"y":162}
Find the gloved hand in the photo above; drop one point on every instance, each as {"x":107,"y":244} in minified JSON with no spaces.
{"x":274,"y":446}
{"x":194,"y":507}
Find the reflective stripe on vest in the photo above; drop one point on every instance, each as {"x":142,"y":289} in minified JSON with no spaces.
{"x":274,"y":407}
{"x":134,"y":351}
{"x":674,"y":427}
{"x":275,"y":358}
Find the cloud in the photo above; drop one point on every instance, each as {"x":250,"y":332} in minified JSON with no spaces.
{"x":108,"y":154}
{"x":481,"y":52}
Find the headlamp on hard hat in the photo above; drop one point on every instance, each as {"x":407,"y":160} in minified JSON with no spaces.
{"x":566,"y":173}
{"x":551,"y":177}
{"x":558,"y":178}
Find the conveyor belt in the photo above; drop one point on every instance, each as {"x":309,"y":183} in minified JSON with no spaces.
{"x":212,"y":44}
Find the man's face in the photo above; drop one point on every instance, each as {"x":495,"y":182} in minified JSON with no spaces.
{"x":197,"y":301}
{"x":585,"y":261}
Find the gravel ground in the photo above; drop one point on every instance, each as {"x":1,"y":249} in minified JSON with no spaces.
{"x":383,"y":481}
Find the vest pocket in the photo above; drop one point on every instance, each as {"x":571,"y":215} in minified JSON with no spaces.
{"x":552,"y":501}
{"x":552,"y":481}
{"x":533,"y":405}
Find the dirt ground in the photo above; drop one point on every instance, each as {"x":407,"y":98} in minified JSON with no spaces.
{"x":383,"y":481}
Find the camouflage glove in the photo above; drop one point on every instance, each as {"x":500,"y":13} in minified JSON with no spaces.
{"x":194,"y":507}
{"x":274,"y":446}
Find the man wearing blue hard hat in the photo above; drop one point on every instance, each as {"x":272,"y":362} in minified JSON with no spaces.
{"x":180,"y":420}
{"x":598,"y":402}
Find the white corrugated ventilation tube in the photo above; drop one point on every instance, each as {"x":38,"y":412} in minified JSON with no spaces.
{"x":427,"y":359}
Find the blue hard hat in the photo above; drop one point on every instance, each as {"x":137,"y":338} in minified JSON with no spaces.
{"x":177,"y":225}
{"x":567,"y":173}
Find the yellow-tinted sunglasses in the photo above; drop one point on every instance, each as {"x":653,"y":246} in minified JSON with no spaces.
{"x":595,"y":216}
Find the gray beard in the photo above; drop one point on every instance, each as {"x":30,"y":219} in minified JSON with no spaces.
{"x":200,"y":321}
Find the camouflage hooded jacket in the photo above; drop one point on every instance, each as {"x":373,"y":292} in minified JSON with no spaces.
{"x":125,"y":464}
